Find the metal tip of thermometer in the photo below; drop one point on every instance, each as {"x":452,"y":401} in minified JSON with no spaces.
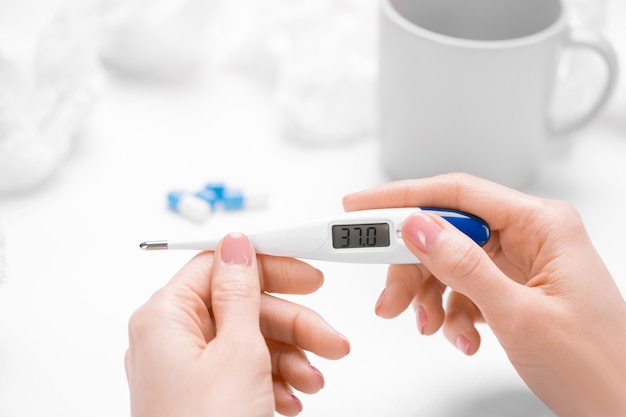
{"x":154,"y":245}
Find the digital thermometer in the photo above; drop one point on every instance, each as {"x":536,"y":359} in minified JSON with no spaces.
{"x":367,"y":236}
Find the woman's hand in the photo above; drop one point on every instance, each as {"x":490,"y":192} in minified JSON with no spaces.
{"x":213,"y":343}
{"x":539,"y":284}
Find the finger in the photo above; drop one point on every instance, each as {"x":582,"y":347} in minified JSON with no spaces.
{"x":288,"y":275}
{"x":278,"y":275}
{"x":287,"y":403}
{"x":292,"y":365}
{"x":490,"y":201}
{"x":459,"y":327}
{"x":428,"y":306}
{"x":293,"y":324}
{"x":413,"y":283}
{"x":235,"y":289}
{"x":401,"y":286}
{"x":458,"y":262}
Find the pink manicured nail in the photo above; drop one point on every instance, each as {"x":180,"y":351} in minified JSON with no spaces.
{"x":346,"y":344}
{"x":236,"y":249}
{"x":381,"y":297}
{"x":421,"y":230}
{"x":319,"y":375}
{"x":462,"y":344}
{"x":422,"y":319}
{"x":297,"y":402}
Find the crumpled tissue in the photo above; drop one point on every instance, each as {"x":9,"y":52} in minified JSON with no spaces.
{"x":320,"y":58}
{"x":45,"y":101}
{"x":156,"y":39}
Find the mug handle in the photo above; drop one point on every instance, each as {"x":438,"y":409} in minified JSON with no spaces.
{"x":603,"y":48}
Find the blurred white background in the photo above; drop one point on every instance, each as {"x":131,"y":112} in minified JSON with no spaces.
{"x":275,"y":96}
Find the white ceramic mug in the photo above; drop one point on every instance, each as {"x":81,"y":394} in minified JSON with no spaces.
{"x":466,"y":85}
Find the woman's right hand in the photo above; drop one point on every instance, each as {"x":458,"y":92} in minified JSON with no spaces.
{"x":539,"y":284}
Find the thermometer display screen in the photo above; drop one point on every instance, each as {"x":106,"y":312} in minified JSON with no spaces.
{"x":351,"y":236}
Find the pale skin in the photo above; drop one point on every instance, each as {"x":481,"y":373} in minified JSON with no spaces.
{"x":212,"y":342}
{"x":539,"y":284}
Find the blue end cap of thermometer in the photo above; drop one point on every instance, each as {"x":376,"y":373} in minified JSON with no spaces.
{"x":474,"y":227}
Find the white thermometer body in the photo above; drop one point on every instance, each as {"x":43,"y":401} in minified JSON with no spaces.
{"x":368,"y":236}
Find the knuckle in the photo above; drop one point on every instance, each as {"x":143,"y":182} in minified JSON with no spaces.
{"x":565,"y":212}
{"x":235,"y":290}
{"x":464,"y":263}
{"x":142,"y":320}
{"x":139,"y":323}
{"x":556,"y":210}
{"x":309,"y":328}
{"x":560,"y":217}
{"x":459,"y":177}
{"x":248,"y":350}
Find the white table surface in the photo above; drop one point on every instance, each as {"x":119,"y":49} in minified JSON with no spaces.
{"x":73,"y":273}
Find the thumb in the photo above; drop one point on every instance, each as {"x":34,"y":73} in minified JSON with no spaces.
{"x":458,"y":262}
{"x":235,"y":289}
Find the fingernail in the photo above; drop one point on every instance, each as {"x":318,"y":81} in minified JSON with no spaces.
{"x":462,"y":344}
{"x":379,"y":302}
{"x":422,"y":318}
{"x":236,"y":250}
{"x":421,"y":230}
{"x":319,"y":375}
{"x":346,"y":343}
{"x":297,"y":402}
